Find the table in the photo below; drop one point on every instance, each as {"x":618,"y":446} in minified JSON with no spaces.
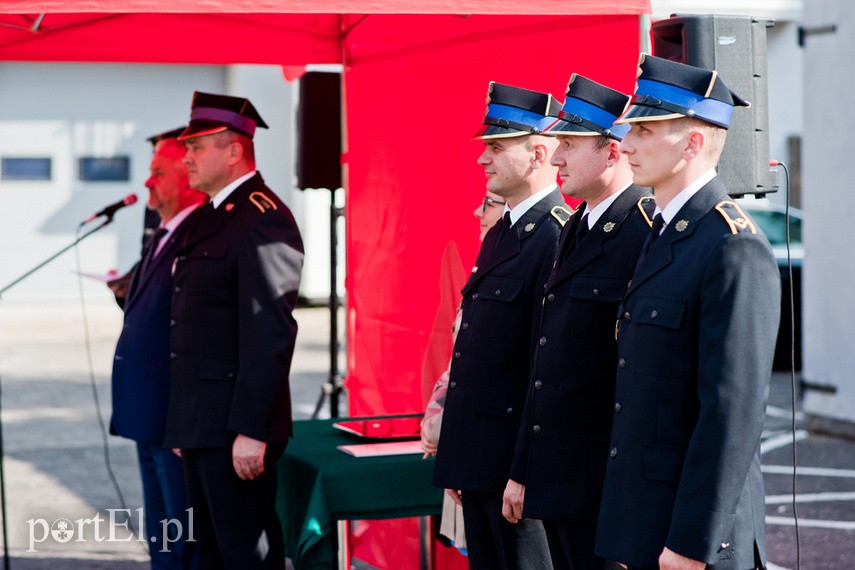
{"x":320,"y":486}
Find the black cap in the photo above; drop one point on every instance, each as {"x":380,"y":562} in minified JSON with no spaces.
{"x":212,"y":113}
{"x":515,"y":112}
{"x":590,"y":109}
{"x":668,"y":89}
{"x":173,"y":134}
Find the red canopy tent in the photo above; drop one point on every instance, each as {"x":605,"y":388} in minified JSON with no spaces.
{"x":415,"y":79}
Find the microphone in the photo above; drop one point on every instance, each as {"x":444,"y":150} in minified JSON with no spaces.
{"x":112,"y":208}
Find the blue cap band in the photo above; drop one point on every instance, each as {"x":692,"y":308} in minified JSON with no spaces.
{"x":686,"y":102}
{"x":588,"y":111}
{"x":236,"y":120}
{"x":516,"y":118}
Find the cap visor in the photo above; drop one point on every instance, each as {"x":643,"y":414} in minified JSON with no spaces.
{"x":637,"y":113}
{"x":494,"y":132}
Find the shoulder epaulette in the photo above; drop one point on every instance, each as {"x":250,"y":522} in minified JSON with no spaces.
{"x":647,"y":206}
{"x":262,"y":202}
{"x":735,"y":217}
{"x":562,"y":214}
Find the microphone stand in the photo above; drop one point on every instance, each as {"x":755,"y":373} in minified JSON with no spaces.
{"x":79,"y":238}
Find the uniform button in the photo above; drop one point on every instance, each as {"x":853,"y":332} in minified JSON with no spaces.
{"x":542,"y":341}
{"x":535,"y":430}
{"x":498,"y":292}
{"x":621,"y":363}
{"x":474,"y":296}
{"x":172,"y":322}
{"x":172,"y":356}
{"x":596,"y":292}
{"x":550,"y":298}
{"x":617,"y":407}
{"x":613,"y":452}
{"x":510,"y":411}
{"x":457,"y":355}
{"x":177,"y":289}
{"x":538,"y":384}
{"x":452,"y":384}
{"x":627,"y":317}
{"x":464,"y":326}
{"x":654,"y":313}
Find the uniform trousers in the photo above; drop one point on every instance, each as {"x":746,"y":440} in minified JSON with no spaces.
{"x":495,"y":544}
{"x":571,"y":545}
{"x":165,"y":505}
{"x":235,"y":520}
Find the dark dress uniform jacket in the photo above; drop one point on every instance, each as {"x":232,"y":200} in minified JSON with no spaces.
{"x":696,"y":339}
{"x":492,"y":353}
{"x":563,"y":442}
{"x":141,"y":364}
{"x":235,"y":285}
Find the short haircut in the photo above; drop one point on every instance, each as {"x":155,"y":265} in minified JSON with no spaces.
{"x":225,"y":138}
{"x":714,"y":136}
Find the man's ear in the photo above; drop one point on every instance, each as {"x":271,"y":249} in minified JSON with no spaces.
{"x":614,"y":152}
{"x":235,"y":152}
{"x":542,"y":151}
{"x":694,"y":144}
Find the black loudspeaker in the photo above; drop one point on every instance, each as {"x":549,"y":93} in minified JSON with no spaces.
{"x":735,"y":46}
{"x":319,"y":131}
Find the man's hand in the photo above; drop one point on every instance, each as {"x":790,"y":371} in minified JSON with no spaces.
{"x":176,"y":451}
{"x":670,"y":560}
{"x":456,"y":496}
{"x":512,"y":501}
{"x":429,"y":442}
{"x":248,"y":457}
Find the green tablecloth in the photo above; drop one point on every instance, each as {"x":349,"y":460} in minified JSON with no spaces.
{"x":319,"y":485}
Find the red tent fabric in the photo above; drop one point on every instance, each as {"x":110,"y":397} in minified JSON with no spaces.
{"x":415,"y":80}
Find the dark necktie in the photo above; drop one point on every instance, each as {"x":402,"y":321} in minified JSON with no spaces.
{"x":152,"y":248}
{"x":504,"y":226}
{"x":581,"y":231}
{"x":655,"y":230}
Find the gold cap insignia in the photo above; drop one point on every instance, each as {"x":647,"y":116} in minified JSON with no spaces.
{"x":529,"y":227}
{"x":681,"y":225}
{"x":608,"y":226}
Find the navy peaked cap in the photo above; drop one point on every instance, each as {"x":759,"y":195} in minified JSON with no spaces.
{"x":590,"y":109}
{"x":515,"y":112}
{"x":211,"y":113}
{"x":667,"y":89}
{"x":173,"y":134}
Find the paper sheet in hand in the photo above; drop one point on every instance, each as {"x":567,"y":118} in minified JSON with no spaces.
{"x":384,"y":448}
{"x":104,"y":277}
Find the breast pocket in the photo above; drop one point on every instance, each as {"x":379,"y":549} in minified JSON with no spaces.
{"x":499,"y":313}
{"x":595,"y":302}
{"x":661,"y":322}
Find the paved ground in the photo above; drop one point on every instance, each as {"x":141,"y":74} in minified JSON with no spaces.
{"x":55,"y":463}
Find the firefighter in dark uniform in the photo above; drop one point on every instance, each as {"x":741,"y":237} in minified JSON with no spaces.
{"x":696,"y":338}
{"x":563,"y":444}
{"x":233,"y":334}
{"x":501,"y":300}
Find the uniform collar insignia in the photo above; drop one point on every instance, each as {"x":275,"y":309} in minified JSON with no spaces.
{"x":529,"y":227}
{"x":681,"y":225}
{"x":608,"y":226}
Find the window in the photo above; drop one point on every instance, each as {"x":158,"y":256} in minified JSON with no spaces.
{"x":113,"y":169}
{"x":20,"y":168}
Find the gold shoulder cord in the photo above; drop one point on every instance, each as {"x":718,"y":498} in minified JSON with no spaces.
{"x":262,"y":202}
{"x":735,"y":217}
{"x":643,"y":203}
{"x":562,"y":214}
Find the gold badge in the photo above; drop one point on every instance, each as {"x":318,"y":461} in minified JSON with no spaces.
{"x":529,"y":227}
{"x":609,"y":226}
{"x":681,"y":225}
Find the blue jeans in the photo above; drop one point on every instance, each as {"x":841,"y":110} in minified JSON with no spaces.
{"x":164,"y":499}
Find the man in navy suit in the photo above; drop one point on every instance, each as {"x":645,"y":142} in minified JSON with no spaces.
{"x":562,"y":447}
{"x":141,"y":363}
{"x":501,"y":299}
{"x":697,"y":330}
{"x":235,"y":287}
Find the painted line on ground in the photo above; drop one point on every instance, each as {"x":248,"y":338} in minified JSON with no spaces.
{"x":808,"y":471}
{"x":777,"y":412}
{"x":782,"y":440}
{"x":809,"y":498}
{"x":812,"y":523}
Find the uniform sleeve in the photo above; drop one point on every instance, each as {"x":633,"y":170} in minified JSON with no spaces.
{"x":740,"y":310}
{"x":269,"y":266}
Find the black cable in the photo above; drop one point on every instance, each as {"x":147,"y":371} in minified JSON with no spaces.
{"x":6,"y":561}
{"x":97,"y":401}
{"x":792,"y":332}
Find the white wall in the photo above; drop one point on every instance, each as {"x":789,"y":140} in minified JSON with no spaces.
{"x":829,"y":199}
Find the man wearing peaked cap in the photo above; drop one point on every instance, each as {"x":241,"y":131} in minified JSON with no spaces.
{"x":696,"y":336}
{"x":561,"y":450}
{"x":236,"y":280}
{"x":489,"y":368}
